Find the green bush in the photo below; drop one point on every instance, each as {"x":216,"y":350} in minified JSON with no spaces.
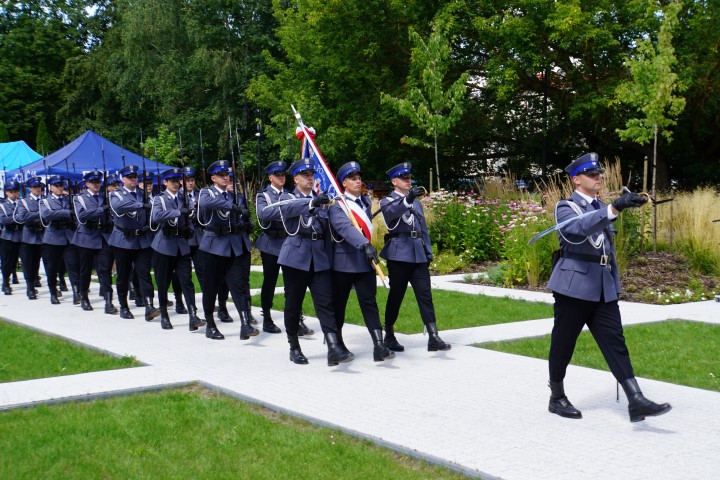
{"x":448,"y":262}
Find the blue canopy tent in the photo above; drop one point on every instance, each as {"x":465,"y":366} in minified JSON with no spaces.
{"x":15,"y":155}
{"x":82,"y":155}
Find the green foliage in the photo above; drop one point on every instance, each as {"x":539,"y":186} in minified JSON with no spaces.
{"x":447,"y":262}
{"x":466,"y":224}
{"x":703,"y":259}
{"x":27,"y":354}
{"x":627,"y":239}
{"x":4,"y":134}
{"x":165,"y":147}
{"x":653,"y":83}
{"x":43,"y":140}
{"x":679,"y":352}
{"x":695,"y":292}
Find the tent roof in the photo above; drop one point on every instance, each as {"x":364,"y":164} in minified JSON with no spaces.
{"x":16,"y":154}
{"x":86,"y":153}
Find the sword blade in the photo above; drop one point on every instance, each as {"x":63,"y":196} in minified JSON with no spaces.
{"x":558,"y":226}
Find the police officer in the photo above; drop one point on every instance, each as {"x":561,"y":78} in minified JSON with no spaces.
{"x":131,"y":242}
{"x":306,"y":260}
{"x":194,"y":242}
{"x":56,"y":217}
{"x":226,"y":247}
{"x":408,"y":253}
{"x":586,"y":284}
{"x":172,"y":251}
{"x":94,"y":226}
{"x":270,"y":240}
{"x":28,"y":213}
{"x":11,"y":234}
{"x":353,"y":254}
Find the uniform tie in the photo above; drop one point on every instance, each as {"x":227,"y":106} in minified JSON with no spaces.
{"x":225,"y":195}
{"x":595,"y":204}
{"x":360,"y":203}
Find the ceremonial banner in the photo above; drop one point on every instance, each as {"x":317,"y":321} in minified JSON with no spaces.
{"x":325,"y":181}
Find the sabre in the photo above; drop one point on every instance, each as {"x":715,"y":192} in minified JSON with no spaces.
{"x":287,"y":202}
{"x":559,"y":226}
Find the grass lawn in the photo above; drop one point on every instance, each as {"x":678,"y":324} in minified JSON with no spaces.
{"x":453,"y":310}
{"x":27,"y":354}
{"x":676,"y":351}
{"x":187,"y":433}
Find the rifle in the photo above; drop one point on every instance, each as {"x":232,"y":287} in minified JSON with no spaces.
{"x":107,"y":195}
{"x":47,"y":185}
{"x":142,"y":152}
{"x":202,"y":159}
{"x":122,"y":152}
{"x":71,"y":198}
{"x":157,"y":168}
{"x":259,"y":168}
{"x":234,"y":171}
{"x":242,"y":164}
{"x":22,"y":183}
{"x":186,"y":216}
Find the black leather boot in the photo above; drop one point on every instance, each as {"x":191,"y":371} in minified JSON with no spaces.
{"x":211,"y":330}
{"x":195,"y":322}
{"x":390,"y":341}
{"x":640,"y":407}
{"x":246,"y":330}
{"x":15,"y":280}
{"x":131,"y":292}
{"x":85,"y":301}
{"x":54,"y":299}
{"x":101,"y":292}
{"x":76,"y":294}
{"x":341,"y":341}
{"x":109,"y":307}
{"x":165,"y":319}
{"x":435,"y":343}
{"x":336,"y":354}
{"x":304,"y":330}
{"x":62,"y":285}
{"x":31,"y":292}
{"x":223,"y":314}
{"x":180,"y":306}
{"x":139,"y":301}
{"x":380,"y":350}
{"x":268,"y":324}
{"x":150,"y":310}
{"x":252,"y":320}
{"x":6,"y":288}
{"x":58,"y":293}
{"x":559,"y":403}
{"x":296,"y":355}
{"x":124,"y":309}
{"x":37,"y":282}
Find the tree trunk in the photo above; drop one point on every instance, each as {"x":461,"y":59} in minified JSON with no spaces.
{"x":437,"y":165}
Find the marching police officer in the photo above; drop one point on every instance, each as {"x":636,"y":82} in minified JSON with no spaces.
{"x":172,"y":251}
{"x":94,"y":226}
{"x":353,"y":254}
{"x":131,"y":242}
{"x":408,"y":253}
{"x":28,"y":213}
{"x":306,"y":259}
{"x":226,"y":247}
{"x":586,"y":284}
{"x":11,"y":234}
{"x":56,"y":217}
{"x":271,"y":239}
{"x":194,"y":241}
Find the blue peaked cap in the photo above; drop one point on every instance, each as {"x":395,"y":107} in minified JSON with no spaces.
{"x":348,"y":169}
{"x":274,"y":167}
{"x":400,"y":170}
{"x":128,"y":170}
{"x":303,"y":165}
{"x":219,"y":166}
{"x":588,"y":163}
{"x":171,"y":173}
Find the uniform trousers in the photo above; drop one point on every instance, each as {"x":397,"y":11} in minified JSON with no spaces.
{"x":125,"y":260}
{"x":418,"y":275}
{"x":603,"y":320}
{"x":53,"y":256}
{"x":168,"y":267}
{"x":10,"y":254}
{"x":227,"y":270}
{"x":271,"y":271}
{"x":102,"y":259}
{"x":365,"y":288}
{"x":320,"y":284}
{"x":30,"y":254}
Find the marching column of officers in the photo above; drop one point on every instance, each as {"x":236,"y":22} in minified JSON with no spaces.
{"x":310,"y":237}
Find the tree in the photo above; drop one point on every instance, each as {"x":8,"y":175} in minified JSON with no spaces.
{"x":430,"y":106}
{"x":4,"y":135}
{"x":164,"y":147}
{"x":650,"y":90}
{"x":43,"y":140}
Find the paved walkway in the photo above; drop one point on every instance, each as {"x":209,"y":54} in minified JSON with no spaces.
{"x":481,"y":412}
